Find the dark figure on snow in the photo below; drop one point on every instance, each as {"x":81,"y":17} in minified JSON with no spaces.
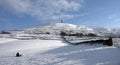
{"x":18,"y":54}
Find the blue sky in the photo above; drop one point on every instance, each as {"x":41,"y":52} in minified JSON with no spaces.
{"x":16,"y":14}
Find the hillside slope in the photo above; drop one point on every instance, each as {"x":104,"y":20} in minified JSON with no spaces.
{"x":56,"y":28}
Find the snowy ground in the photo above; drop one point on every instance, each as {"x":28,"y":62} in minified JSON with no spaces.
{"x":56,"y":52}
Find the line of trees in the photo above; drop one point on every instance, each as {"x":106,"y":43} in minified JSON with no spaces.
{"x":4,"y":32}
{"x":62,"y":33}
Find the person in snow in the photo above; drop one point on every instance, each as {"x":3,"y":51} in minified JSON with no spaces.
{"x":18,"y":54}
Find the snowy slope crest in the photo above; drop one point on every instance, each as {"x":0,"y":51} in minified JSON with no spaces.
{"x":56,"y":28}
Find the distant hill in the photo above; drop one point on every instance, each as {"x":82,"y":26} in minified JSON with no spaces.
{"x":56,"y":28}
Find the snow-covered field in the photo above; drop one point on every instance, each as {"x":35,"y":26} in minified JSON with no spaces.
{"x":56,"y":52}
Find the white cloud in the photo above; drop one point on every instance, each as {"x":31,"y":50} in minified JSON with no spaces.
{"x":44,"y":9}
{"x":114,"y":17}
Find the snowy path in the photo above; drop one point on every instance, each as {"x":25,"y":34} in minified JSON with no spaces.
{"x":56,"y":52}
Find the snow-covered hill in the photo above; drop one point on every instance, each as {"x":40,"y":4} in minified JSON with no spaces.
{"x":56,"y":28}
{"x":114,"y":32}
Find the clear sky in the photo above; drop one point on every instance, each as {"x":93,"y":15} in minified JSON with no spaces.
{"x":16,"y":14}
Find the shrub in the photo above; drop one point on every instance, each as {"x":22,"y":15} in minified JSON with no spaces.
{"x":47,"y":32}
{"x":63,"y":33}
{"x":79,"y":34}
{"x":4,"y":32}
{"x":91,"y":34}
